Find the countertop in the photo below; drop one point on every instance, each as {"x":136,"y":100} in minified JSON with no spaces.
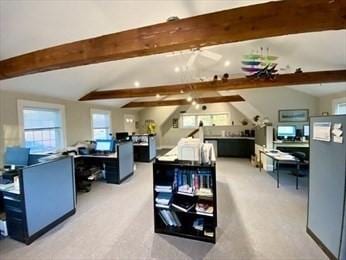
{"x":228,"y":137}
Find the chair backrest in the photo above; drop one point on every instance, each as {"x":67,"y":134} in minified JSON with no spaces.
{"x":300,"y":155}
{"x":18,"y":156}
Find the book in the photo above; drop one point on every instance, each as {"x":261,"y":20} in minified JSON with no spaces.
{"x":163,"y":206}
{"x":163,"y":188}
{"x":198,"y":224}
{"x":204,"y":192}
{"x":176,"y":219}
{"x":163,"y":198}
{"x":182,"y":205}
{"x":163,"y":218}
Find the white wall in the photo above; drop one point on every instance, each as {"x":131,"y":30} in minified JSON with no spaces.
{"x":168,"y":136}
{"x":77,"y":116}
{"x":159,"y":115}
{"x":326,"y":102}
{"x":270,"y":100}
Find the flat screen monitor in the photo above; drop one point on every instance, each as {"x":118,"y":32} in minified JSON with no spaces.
{"x":104,"y":145}
{"x":306,"y":130}
{"x":287,"y":131}
{"x":122,"y":136}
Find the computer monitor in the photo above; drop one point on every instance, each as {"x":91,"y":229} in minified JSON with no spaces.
{"x":104,"y":146}
{"x":122,"y":136}
{"x":306,"y":130}
{"x":17,"y":156}
{"x":286,"y":131}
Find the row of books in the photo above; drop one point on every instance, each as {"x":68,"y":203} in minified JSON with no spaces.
{"x":202,"y":207}
{"x":169,"y":218}
{"x":190,"y":181}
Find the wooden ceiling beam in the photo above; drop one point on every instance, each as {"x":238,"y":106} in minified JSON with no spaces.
{"x":232,"y":84}
{"x":234,"y":25}
{"x":181,"y":102}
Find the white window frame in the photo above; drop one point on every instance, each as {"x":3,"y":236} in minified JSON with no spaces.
{"x":335,"y":103}
{"x":22,"y":104}
{"x":201,"y":114}
{"x":100,"y":111}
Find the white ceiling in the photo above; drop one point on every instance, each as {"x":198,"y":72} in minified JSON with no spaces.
{"x":30,"y":25}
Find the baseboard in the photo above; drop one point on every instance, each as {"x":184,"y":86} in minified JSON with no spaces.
{"x":320,"y":244}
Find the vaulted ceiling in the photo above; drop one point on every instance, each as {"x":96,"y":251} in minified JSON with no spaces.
{"x":31,"y":25}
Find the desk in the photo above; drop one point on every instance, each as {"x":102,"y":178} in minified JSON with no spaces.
{"x":144,"y":147}
{"x":278,"y":158}
{"x":118,"y":166}
{"x":290,"y":147}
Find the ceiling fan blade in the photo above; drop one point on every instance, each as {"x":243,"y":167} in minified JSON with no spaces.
{"x":191,"y":59}
{"x":211,"y":55}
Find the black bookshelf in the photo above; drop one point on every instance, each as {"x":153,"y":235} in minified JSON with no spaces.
{"x":188,"y":190}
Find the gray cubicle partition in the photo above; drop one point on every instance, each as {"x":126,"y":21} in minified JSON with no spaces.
{"x":125,"y":159}
{"x":152,"y":147}
{"x":46,"y":197}
{"x":327,"y":184}
{"x":49,"y":193}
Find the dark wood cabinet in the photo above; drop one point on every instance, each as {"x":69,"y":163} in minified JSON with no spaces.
{"x":242,"y":148}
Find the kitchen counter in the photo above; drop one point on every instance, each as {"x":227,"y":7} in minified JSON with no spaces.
{"x":228,"y":137}
{"x":232,"y":146}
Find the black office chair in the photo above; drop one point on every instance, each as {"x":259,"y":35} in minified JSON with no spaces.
{"x":82,"y":181}
{"x":301,"y":156}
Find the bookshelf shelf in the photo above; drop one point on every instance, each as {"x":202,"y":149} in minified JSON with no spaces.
{"x":182,"y":219}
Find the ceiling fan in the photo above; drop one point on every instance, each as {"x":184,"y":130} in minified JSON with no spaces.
{"x":205,"y":53}
{"x":195,"y":53}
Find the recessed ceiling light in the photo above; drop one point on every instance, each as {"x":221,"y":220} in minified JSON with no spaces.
{"x":158,"y":95}
{"x":137,"y":84}
{"x":189,"y":99}
{"x":181,"y":91}
{"x":227,"y":63}
{"x":194,"y":103}
{"x":177,"y":69}
{"x":197,"y":106}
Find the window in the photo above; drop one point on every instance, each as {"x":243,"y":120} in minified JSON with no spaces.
{"x":189,"y":121}
{"x":101,"y":124}
{"x":192,"y":121}
{"x":340,"y":109}
{"x":339,"y":106}
{"x":42,"y":126}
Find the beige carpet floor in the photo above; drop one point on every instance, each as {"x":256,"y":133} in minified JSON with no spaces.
{"x":256,"y":221}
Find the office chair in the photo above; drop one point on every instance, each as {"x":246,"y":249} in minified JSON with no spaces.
{"x":85,"y":175}
{"x":301,"y":156}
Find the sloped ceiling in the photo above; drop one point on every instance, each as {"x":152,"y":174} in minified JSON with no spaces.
{"x":30,"y":25}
